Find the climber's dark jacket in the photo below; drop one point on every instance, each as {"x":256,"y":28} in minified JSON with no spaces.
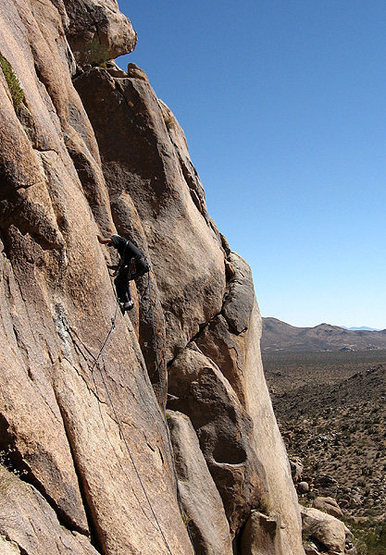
{"x":129,"y":253}
{"x":133,"y":264}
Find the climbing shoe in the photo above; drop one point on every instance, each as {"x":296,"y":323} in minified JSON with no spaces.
{"x":128,"y":306}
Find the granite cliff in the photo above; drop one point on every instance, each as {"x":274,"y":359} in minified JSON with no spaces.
{"x":91,"y":462}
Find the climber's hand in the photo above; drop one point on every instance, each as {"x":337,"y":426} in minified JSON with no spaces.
{"x":104,"y":240}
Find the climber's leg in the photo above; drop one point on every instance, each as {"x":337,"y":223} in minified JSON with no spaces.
{"x":122,"y":287}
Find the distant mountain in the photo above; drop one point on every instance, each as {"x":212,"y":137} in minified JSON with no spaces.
{"x":365,"y":328}
{"x":279,"y":336}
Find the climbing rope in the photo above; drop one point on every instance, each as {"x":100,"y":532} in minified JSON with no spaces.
{"x":96,"y":364}
{"x":107,"y":340}
{"x":132,"y":460}
{"x":75,"y":341}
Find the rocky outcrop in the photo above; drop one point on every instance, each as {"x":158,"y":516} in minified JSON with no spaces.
{"x":84,"y":442}
{"x":24,"y":512}
{"x":141,"y":161}
{"x":204,"y":510}
{"x":296,"y":469}
{"x":97,"y":31}
{"x":223,"y":428}
{"x":93,"y":444}
{"x":330,"y":533}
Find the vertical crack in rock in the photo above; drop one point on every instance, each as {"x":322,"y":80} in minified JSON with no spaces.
{"x":14,"y":461}
{"x":222,"y":338}
{"x":149,"y":321}
{"x":199,"y":496}
{"x":93,"y":528}
{"x":12,"y":543}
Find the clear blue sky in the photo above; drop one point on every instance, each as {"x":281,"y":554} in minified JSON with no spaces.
{"x":283,"y":106}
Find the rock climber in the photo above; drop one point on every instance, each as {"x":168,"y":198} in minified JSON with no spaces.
{"x":132,"y":264}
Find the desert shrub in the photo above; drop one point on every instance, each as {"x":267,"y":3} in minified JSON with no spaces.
{"x":265,"y":503}
{"x":169,"y":122}
{"x":369,"y":537}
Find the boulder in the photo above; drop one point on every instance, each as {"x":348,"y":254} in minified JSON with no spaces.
{"x":303,"y":487}
{"x":326,"y":484}
{"x":261,"y":535}
{"x":328,"y":505}
{"x":325,"y":529}
{"x":296,"y":469}
{"x":311,"y":549}
{"x":200,"y":498}
{"x":98,"y":31}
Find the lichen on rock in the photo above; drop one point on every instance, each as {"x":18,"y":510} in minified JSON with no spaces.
{"x":15,"y":89}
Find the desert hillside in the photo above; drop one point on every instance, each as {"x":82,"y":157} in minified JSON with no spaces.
{"x":287,"y":371}
{"x":331,"y":411}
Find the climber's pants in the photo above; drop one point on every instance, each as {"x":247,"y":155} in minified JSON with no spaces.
{"x":122,"y":287}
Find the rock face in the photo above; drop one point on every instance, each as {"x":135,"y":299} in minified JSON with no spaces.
{"x":223,"y":428}
{"x":140,"y":161}
{"x":23,"y":511}
{"x":86,"y":458}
